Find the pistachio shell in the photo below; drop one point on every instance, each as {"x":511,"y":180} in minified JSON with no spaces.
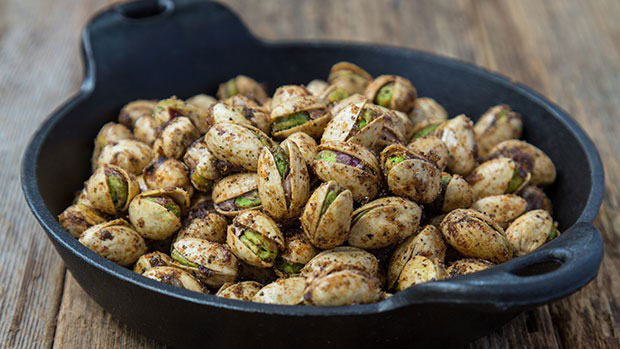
{"x":343,"y":256}
{"x":298,"y":249}
{"x":166,"y":172}
{"x":503,"y":209}
{"x":457,"y":194}
{"x":383,"y":222}
{"x":530,"y":231}
{"x":151,"y":260}
{"x":110,"y":133}
{"x":169,"y":109}
{"x":204,"y":224}
{"x":287,"y":93}
{"x":342,"y":286}
{"x":328,"y":227}
{"x":213,"y":263}
{"x":427,"y":111}
{"x":418,"y":270}
{"x":259,"y":223}
{"x":287,"y":291}
{"x":231,"y":187}
{"x":243,"y":291}
{"x":306,"y":144}
{"x":242,"y":85}
{"x":468,"y":266}
{"x":496,"y":125}
{"x":530,"y":158}
{"x":79,"y":217}
{"x":238,"y":144}
{"x":414,"y":176}
{"x":114,"y":240}
{"x":316,"y":86}
{"x":311,"y":104}
{"x":458,"y":136}
{"x":202,"y":101}
{"x":175,"y":277}
{"x":154,"y":220}
{"x":98,"y":190}
{"x":431,"y":148}
{"x":349,"y":76}
{"x":337,"y":107}
{"x":493,"y":177}
{"x":474,"y":234}
{"x":343,"y":126}
{"x":134,"y":110}
{"x":403,"y":93}
{"x":241,"y":110}
{"x":175,"y":137}
{"x":128,"y":154}
{"x":145,"y":130}
{"x":332,"y":94}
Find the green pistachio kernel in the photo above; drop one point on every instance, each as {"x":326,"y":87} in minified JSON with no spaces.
{"x":395,"y":159}
{"x":288,"y":267}
{"x":365,"y":117}
{"x":329,"y":198}
{"x":516,"y":181}
{"x":181,"y":259}
{"x":201,"y":181}
{"x":384,"y":96}
{"x":260,"y":245}
{"x":291,"y":121}
{"x":445,"y":180}
{"x":263,"y":140}
{"x":167,"y":203}
{"x":249,"y":199}
{"x":231,"y":88}
{"x":118,"y":190}
{"x":553,"y":233}
{"x":337,"y":94}
{"x":502,"y":114}
{"x":425,"y":131}
{"x":281,"y":160}
{"x":327,"y":155}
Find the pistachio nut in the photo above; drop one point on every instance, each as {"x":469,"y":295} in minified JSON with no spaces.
{"x":316,"y":86}
{"x":255,"y":238}
{"x":168,"y":109}
{"x":115,"y":241}
{"x":175,"y":277}
{"x":475,"y":234}
{"x":241,"y":110}
{"x":238,"y":144}
{"x":306,"y":144}
{"x":79,"y":217}
{"x":202,"y":102}
{"x":145,"y":130}
{"x":210,"y":262}
{"x":151,"y":260}
{"x":350,"y":165}
{"x":383,"y":222}
{"x":333,"y":94}
{"x":176,"y":135}
{"x":164,"y":172}
{"x":458,"y":136}
{"x":287,"y":93}
{"x":110,"y":189}
{"x":342,"y":285}
{"x":349,"y":77}
{"x":432,"y":148}
{"x":405,"y":124}
{"x":132,"y":111}
{"x":110,"y":133}
{"x":418,"y":270}
{"x":427,"y":111}
{"x":156,"y":214}
{"x":529,"y":157}
{"x":336,"y":107}
{"x":241,"y":85}
{"x":498,"y":176}
{"x":455,"y":193}
{"x":326,"y":218}
{"x":393,"y":92}
{"x":297,"y":252}
{"x":536,"y":199}
{"x":204,"y":223}
{"x":242,"y":291}
{"x":498,"y":124}
{"x":202,"y":164}
{"x":410,"y":174}
{"x":236,"y":193}
{"x":289,"y":291}
{"x":300,"y":114}
{"x":503,"y":209}
{"x":530,"y":231}
{"x":129,"y":154}
{"x":342,"y":257}
{"x":468,"y":266}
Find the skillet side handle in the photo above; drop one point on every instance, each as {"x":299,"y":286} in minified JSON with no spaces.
{"x":141,"y":43}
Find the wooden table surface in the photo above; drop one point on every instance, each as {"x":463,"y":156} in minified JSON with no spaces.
{"x":567,"y":50}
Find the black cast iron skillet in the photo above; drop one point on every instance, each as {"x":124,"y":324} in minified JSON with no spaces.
{"x":150,"y":49}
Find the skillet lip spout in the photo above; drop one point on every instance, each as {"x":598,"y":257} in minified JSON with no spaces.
{"x":467,"y":291}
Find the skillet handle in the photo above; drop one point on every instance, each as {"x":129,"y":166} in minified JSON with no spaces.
{"x":553,"y":271}
{"x":144,"y":42}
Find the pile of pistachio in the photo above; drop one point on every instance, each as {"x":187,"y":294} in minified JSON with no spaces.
{"x":335,"y":193}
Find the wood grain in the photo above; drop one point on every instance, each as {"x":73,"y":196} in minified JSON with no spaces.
{"x":567,"y":50}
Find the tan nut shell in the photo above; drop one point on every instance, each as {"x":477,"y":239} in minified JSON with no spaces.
{"x":79,"y":217}
{"x":415,"y":177}
{"x":468,"y":266}
{"x":236,"y":143}
{"x":337,"y":107}
{"x":491,"y":130}
{"x":384,"y":222}
{"x":151,"y":260}
{"x":503,"y":209}
{"x":458,"y":194}
{"x":530,"y":231}
{"x":202,"y":164}
{"x":115,"y":241}
{"x":165,"y":172}
{"x":175,"y":277}
{"x":242,"y":291}
{"x":493,"y":177}
{"x":363,"y":185}
{"x":420,"y":269}
{"x":432,"y":148}
{"x":332,"y":228}
{"x":168,"y":109}
{"x":175,"y":137}
{"x":232,"y":186}
{"x":134,"y":110}
{"x":533,"y":159}
{"x":217,"y":258}
{"x":287,"y":291}
{"x":205,"y":225}
{"x":298,"y":249}
{"x":241,"y":110}
{"x":342,"y":256}
{"x":306,"y":144}
{"x":316,"y":86}
{"x":341,"y":127}
{"x":342,"y":286}
{"x":202,"y":101}
{"x":286,"y":93}
{"x":145,"y":130}
{"x":129,"y":154}
{"x":246,"y":86}
{"x":154,"y":221}
{"x":403,"y":93}
{"x":474,"y":234}
{"x":259,"y":223}
{"x":427,"y":111}
{"x":313,"y":127}
{"x":110,"y":133}
{"x":98,"y":192}
{"x":458,"y":136}
{"x":340,"y":75}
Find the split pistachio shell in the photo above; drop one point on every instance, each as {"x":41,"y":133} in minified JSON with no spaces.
{"x":392,"y":91}
{"x":145,"y":130}
{"x":475,"y":234}
{"x":283,"y":181}
{"x":204,"y":224}
{"x":409,"y":174}
{"x":427,"y":111}
{"x":168,"y":109}
{"x":78,"y":217}
{"x":241,"y":85}
{"x":212,"y":263}
{"x":536,"y":199}
{"x":306,"y":144}
{"x":432,"y":148}
{"x":503,"y":209}
{"x":289,"y":291}
{"x":349,"y":77}
{"x":129,"y":154}
{"x":297,"y":252}
{"x":175,"y":277}
{"x":428,"y":243}
{"x":316,"y":86}
{"x":236,"y":193}
{"x":383,"y":222}
{"x":333,"y":93}
{"x":110,"y":189}
{"x":286,"y":93}
{"x":496,"y":125}
{"x":458,"y":136}
{"x":336,"y":107}
{"x":529,"y":157}
{"x":342,"y":256}
{"x":530,"y":231}
{"x":241,"y":110}
{"x":165,"y":172}
{"x":156,"y":214}
{"x":455,"y":193}
{"x":497,"y":176}
{"x":110,"y":133}
{"x":338,"y":286}
{"x":418,"y":270}
{"x":175,"y":137}
{"x":132,"y":111}
{"x":237,"y":144}
{"x":114,"y":240}
{"x":152,"y":260}
{"x":468,"y":266}
{"x":202,"y":102}
{"x":255,"y":238}
{"x":300,"y":114}
{"x":242,"y":291}
{"x":326,"y":218}
{"x":350,"y":165}
{"x":406,"y":125}
{"x":202,"y":164}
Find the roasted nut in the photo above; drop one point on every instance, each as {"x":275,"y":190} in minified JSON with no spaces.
{"x":175,"y":137}
{"x":337,"y":286}
{"x":410,"y":174}
{"x":458,"y":135}
{"x":242,"y":291}
{"x":326,"y":218}
{"x":468,"y":266}
{"x":165,"y":172}
{"x":211,"y":263}
{"x":115,"y":241}
{"x":129,"y":154}
{"x":496,"y":125}
{"x":167,"y":110}
{"x":432,"y":148}
{"x":383,"y":222}
{"x":289,"y":291}
{"x":202,"y":102}
{"x":455,"y":193}
{"x":152,"y":260}
{"x":242,"y":85}
{"x":350,"y":165}
{"x":78,"y":217}
{"x":236,"y":193}
{"x":536,"y":199}
{"x":283,"y":181}
{"x":132,"y":111}
{"x":238,"y":144}
{"x":498,"y":176}
{"x":418,"y":270}
{"x":341,"y":257}
{"x":241,"y":110}
{"x":287,"y":93}
{"x":503,"y":209}
{"x":175,"y":277}
{"x":349,"y":77}
{"x":110,"y":133}
{"x":111,"y":188}
{"x":529,"y":157}
{"x":156,"y":214}
{"x":255,"y":238}
{"x":316,"y":86}
{"x":530,"y":231}
{"x":145,"y":130}
{"x":405,"y":125}
{"x":336,"y":107}
{"x":333,"y":93}
{"x":392,"y":91}
{"x":306,"y":144}
{"x":202,"y":164}
{"x":474,"y":234}
{"x":297,"y":252}
{"x":300,"y":114}
{"x":427,"y":111}
{"x":204,"y":223}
